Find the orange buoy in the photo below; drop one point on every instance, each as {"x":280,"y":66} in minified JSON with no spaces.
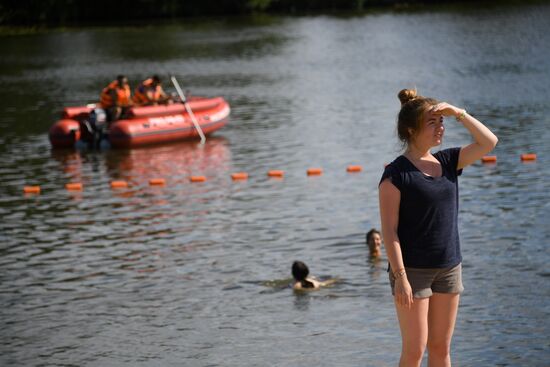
{"x":197,"y":179}
{"x":74,"y":186}
{"x":118,"y":184}
{"x":276,"y":173}
{"x":239,"y":176}
{"x":314,"y":171}
{"x":157,"y":182}
{"x":489,"y":159}
{"x":354,"y":168}
{"x":31,"y":189}
{"x":529,"y":157}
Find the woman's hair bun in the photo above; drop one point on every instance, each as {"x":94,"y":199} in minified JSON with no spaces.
{"x":406,"y":95}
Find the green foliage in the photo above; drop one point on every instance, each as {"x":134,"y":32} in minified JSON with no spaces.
{"x":256,"y":5}
{"x":79,"y":12}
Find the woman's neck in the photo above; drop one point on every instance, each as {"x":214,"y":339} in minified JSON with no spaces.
{"x":417,"y":153}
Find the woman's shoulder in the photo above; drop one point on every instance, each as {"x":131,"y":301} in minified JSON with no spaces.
{"x":448,"y":153}
{"x":448,"y":157}
{"x":398,"y":164}
{"x":394,"y":171}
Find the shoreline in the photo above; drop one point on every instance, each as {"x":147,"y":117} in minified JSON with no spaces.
{"x":49,"y":20}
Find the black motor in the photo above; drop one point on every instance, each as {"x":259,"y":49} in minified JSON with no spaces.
{"x":94,"y":128}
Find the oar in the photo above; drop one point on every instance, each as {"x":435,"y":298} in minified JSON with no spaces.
{"x":188,"y":108}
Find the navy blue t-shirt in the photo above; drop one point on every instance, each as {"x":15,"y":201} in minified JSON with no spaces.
{"x":428,"y":211}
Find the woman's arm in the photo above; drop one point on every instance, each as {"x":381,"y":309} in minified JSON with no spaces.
{"x":484,"y":139}
{"x":390,"y":198}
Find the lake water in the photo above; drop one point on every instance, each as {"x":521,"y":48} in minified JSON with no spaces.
{"x":195,"y":274}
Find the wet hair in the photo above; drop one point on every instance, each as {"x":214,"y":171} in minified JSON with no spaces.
{"x":156,"y":79}
{"x":120,"y":78}
{"x":371,"y":233}
{"x":410,"y":116}
{"x":300,"y":271}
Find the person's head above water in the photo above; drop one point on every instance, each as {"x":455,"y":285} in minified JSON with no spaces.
{"x":302,"y":281}
{"x":374,"y":241}
{"x":299,"y":270}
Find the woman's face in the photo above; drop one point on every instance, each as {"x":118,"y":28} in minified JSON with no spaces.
{"x":431,"y":130}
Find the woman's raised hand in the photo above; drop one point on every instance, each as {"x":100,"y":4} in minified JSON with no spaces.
{"x":446,"y":109}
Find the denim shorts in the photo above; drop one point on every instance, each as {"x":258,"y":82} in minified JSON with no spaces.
{"x":425,"y":282}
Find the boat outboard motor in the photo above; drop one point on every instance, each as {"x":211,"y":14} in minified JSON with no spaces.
{"x":95,"y":127}
{"x":98,"y":118}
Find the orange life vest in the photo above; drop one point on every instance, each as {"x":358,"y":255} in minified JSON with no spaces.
{"x":140,"y":94}
{"x":123,"y":95}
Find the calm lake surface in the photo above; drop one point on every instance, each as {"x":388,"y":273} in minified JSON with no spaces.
{"x":196,"y":274}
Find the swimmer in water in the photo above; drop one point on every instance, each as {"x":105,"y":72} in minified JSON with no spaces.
{"x":300,"y":272}
{"x":374,"y":241}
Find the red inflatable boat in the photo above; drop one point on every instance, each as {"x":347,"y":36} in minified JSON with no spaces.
{"x":143,"y":125}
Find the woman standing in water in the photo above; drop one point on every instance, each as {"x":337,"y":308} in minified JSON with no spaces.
{"x":418,"y":208}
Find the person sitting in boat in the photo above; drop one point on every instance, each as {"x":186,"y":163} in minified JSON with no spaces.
{"x":374,"y":242}
{"x":302,"y":281}
{"x":115,"y":98}
{"x":149,"y":92}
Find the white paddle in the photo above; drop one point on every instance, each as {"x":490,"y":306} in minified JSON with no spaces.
{"x":188,"y":108}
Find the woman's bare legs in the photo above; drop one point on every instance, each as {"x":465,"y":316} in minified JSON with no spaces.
{"x":413,"y":323}
{"x":441,"y":323}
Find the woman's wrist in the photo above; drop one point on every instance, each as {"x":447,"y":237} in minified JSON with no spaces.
{"x":400,"y":273}
{"x":460,"y":115}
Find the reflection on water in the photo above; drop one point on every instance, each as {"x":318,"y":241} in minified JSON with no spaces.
{"x":175,"y":162}
{"x":197,"y":273}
